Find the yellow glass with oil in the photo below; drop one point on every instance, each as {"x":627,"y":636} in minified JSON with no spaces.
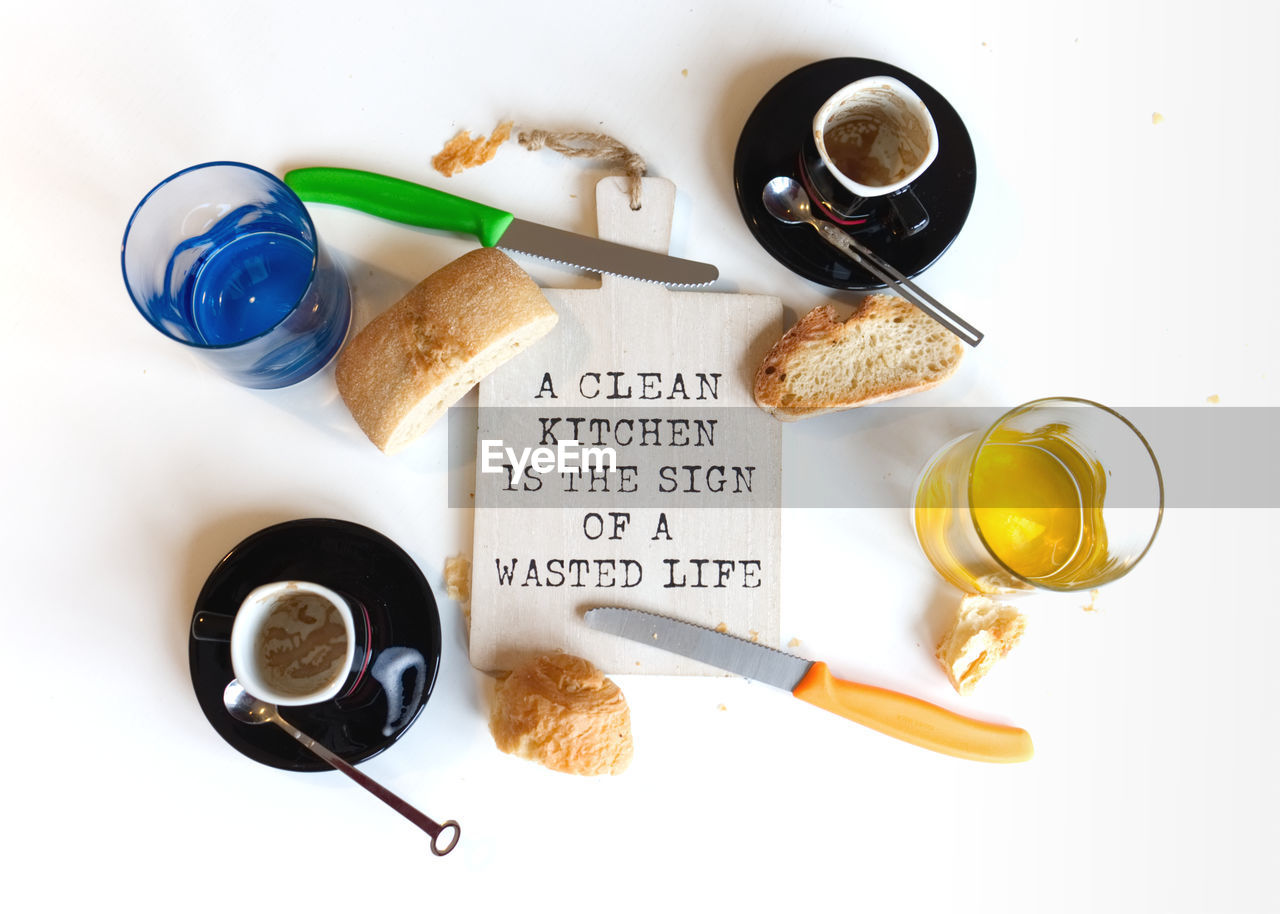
{"x":1060,"y":494}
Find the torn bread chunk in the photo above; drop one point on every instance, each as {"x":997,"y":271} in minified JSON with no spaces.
{"x":984,"y":631}
{"x":561,"y":712}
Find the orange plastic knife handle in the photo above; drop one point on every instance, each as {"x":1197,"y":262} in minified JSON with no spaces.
{"x":912,"y":719}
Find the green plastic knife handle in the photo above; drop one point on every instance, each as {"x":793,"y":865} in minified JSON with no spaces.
{"x":399,"y":201}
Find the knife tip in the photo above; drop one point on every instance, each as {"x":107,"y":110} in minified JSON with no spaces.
{"x":596,"y":616}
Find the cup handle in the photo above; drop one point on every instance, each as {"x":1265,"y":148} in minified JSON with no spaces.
{"x":909,"y":214}
{"x":208,"y":626}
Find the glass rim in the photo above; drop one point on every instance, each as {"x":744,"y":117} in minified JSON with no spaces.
{"x":124,"y":245}
{"x":1040,"y":403}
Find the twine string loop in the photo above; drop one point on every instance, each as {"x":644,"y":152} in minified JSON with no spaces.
{"x":582,"y":144}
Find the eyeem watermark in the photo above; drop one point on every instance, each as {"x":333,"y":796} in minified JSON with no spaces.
{"x":565,"y":457}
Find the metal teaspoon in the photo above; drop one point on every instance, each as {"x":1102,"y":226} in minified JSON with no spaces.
{"x":785,"y":199}
{"x":244,"y":707}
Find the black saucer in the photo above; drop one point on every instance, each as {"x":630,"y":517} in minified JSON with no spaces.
{"x":404,"y":635}
{"x":770,"y":146}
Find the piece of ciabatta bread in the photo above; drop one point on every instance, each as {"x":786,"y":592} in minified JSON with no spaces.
{"x":562,"y":712}
{"x":418,"y":358}
{"x":886,"y":349}
{"x":984,"y":631}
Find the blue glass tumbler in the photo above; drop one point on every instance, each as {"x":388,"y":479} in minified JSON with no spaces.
{"x":224,"y":258}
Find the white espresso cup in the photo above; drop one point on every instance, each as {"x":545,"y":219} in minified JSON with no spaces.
{"x":867,"y":144}
{"x":293,"y":643}
{"x":875,"y":136}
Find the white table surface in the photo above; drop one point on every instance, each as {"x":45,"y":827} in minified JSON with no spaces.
{"x":1106,"y":256}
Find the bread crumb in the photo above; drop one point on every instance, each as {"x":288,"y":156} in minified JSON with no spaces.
{"x":722,"y":628}
{"x":463,"y":151}
{"x":755,"y":635}
{"x":721,"y":708}
{"x":457,"y":585}
{"x":1213,"y":398}
{"x":794,"y":642}
{"x":457,"y":578}
{"x":684,"y":72}
{"x":998,"y":582}
{"x":1092,"y":605}
{"x":1157,"y":117}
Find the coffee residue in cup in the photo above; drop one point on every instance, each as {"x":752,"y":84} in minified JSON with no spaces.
{"x":874,"y":140}
{"x":303,"y":644}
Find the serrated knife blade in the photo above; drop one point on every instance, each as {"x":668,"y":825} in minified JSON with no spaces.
{"x":416,"y":204}
{"x":901,"y":716}
{"x":604,"y":256}
{"x":718,"y":649}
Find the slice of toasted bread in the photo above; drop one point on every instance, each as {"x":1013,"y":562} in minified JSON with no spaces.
{"x":984,"y":631}
{"x":886,"y":349}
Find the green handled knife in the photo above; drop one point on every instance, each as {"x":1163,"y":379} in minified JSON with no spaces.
{"x":416,"y":204}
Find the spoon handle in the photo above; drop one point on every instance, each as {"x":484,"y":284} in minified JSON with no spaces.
{"x":423,"y":821}
{"x":888,"y":274}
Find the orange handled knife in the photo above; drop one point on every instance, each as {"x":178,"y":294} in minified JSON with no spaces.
{"x":893,"y":713}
